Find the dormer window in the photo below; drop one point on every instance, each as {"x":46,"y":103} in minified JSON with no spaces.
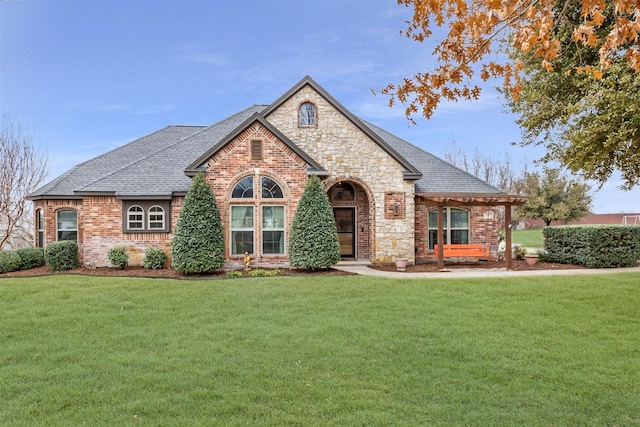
{"x":307,"y":114}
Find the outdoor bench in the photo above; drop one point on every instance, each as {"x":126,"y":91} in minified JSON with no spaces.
{"x":463,"y":250}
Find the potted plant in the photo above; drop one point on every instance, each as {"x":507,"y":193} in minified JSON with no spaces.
{"x":531,"y":259}
{"x":401,"y":264}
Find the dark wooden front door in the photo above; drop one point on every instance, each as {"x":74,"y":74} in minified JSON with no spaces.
{"x":346,"y":224}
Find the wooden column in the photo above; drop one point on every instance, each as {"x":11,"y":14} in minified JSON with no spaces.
{"x":507,"y":236}
{"x":440,"y":237}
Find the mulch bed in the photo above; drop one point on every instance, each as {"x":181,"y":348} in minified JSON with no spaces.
{"x":137,"y":271}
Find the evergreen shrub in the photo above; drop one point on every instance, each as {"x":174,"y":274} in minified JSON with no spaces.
{"x":30,"y":257}
{"x":313,"y":241}
{"x":594,"y":246}
{"x":118,"y":257}
{"x":154,"y":258}
{"x":62,"y":255}
{"x":198,"y":243}
{"x":9,"y":261}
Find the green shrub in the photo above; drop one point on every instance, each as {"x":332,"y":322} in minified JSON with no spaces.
{"x":118,"y":257}
{"x":154,"y":258}
{"x":519,"y":252}
{"x":234,"y":273}
{"x":594,"y":246}
{"x":313,"y":242}
{"x":9,"y":261}
{"x":62,"y":255}
{"x":198,"y":243}
{"x":30,"y":258}
{"x":263,"y":273}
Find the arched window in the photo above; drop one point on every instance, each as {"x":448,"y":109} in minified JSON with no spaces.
{"x":257,"y":227}
{"x":307,"y":114}
{"x":343,"y":192}
{"x":243,"y":189}
{"x":67,"y":225}
{"x":135,"y":218}
{"x":270,"y":189}
{"x":456,"y":226}
{"x":156,"y":218}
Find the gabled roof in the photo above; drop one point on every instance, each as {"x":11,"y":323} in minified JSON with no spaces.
{"x":411,"y":172}
{"x":159,"y":165}
{"x":194,"y":167}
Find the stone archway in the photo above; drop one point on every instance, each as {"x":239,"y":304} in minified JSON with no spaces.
{"x":354,"y":210}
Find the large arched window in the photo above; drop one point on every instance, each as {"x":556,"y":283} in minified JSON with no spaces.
{"x":456,"y":226}
{"x":257,"y":227}
{"x":67,"y":225}
{"x":307,"y":114}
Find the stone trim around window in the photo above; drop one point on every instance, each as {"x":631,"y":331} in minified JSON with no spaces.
{"x":156,"y":216}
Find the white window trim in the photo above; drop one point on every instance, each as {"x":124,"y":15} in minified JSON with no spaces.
{"x":130,"y":221}
{"x":59,"y":229}
{"x":149,"y":220}
{"x":282,"y":229}
{"x":448,"y":229}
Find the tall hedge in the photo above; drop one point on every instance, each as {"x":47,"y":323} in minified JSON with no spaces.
{"x":594,"y":246}
{"x":198,"y":243}
{"x":313,"y":241}
{"x":62,"y":255}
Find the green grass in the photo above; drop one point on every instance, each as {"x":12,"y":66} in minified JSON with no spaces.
{"x":528,"y":238}
{"x":320,"y":351}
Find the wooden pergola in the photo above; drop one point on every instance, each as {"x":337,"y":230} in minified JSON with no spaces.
{"x":442,"y":200}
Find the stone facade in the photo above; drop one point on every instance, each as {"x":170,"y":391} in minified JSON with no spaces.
{"x":348,"y":153}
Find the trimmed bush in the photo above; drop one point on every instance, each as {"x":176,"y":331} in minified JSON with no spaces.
{"x":313,"y":242}
{"x":30,"y":257}
{"x":594,"y":246}
{"x":154,"y":258}
{"x":62,"y":255}
{"x":9,"y":261}
{"x":198,"y":243}
{"x":118,"y":257}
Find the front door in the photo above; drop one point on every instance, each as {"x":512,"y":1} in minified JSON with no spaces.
{"x":346,"y":225}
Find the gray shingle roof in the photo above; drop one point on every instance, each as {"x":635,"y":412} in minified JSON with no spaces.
{"x":155,"y":165}
{"x":438,"y":176}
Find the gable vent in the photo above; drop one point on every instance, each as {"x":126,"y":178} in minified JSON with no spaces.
{"x":256,"y":149}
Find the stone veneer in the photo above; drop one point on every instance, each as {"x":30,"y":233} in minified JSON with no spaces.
{"x":348,"y":153}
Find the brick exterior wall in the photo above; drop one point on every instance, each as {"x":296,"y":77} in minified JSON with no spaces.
{"x":484,"y":226}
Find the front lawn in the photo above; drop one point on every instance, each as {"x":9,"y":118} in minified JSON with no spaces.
{"x":320,"y":351}
{"x":531,"y":239}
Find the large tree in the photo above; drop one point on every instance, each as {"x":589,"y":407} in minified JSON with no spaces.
{"x":552,"y":196}
{"x":23,"y":167}
{"x":479,"y":30}
{"x":588,"y":124}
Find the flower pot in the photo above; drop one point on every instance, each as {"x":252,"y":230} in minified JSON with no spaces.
{"x":401,"y":264}
{"x":531,"y":259}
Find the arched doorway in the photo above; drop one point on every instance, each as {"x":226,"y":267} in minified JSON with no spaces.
{"x":352,"y":211}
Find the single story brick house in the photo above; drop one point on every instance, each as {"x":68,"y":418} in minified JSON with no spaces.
{"x":387,"y":194}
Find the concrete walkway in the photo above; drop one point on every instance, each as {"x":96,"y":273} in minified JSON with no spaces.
{"x":457,"y":273}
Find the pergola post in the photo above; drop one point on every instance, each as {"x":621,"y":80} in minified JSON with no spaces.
{"x":440,"y":237}
{"x":507,"y":236}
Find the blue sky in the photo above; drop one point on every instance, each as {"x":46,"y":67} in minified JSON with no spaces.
{"x":89,"y":76}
